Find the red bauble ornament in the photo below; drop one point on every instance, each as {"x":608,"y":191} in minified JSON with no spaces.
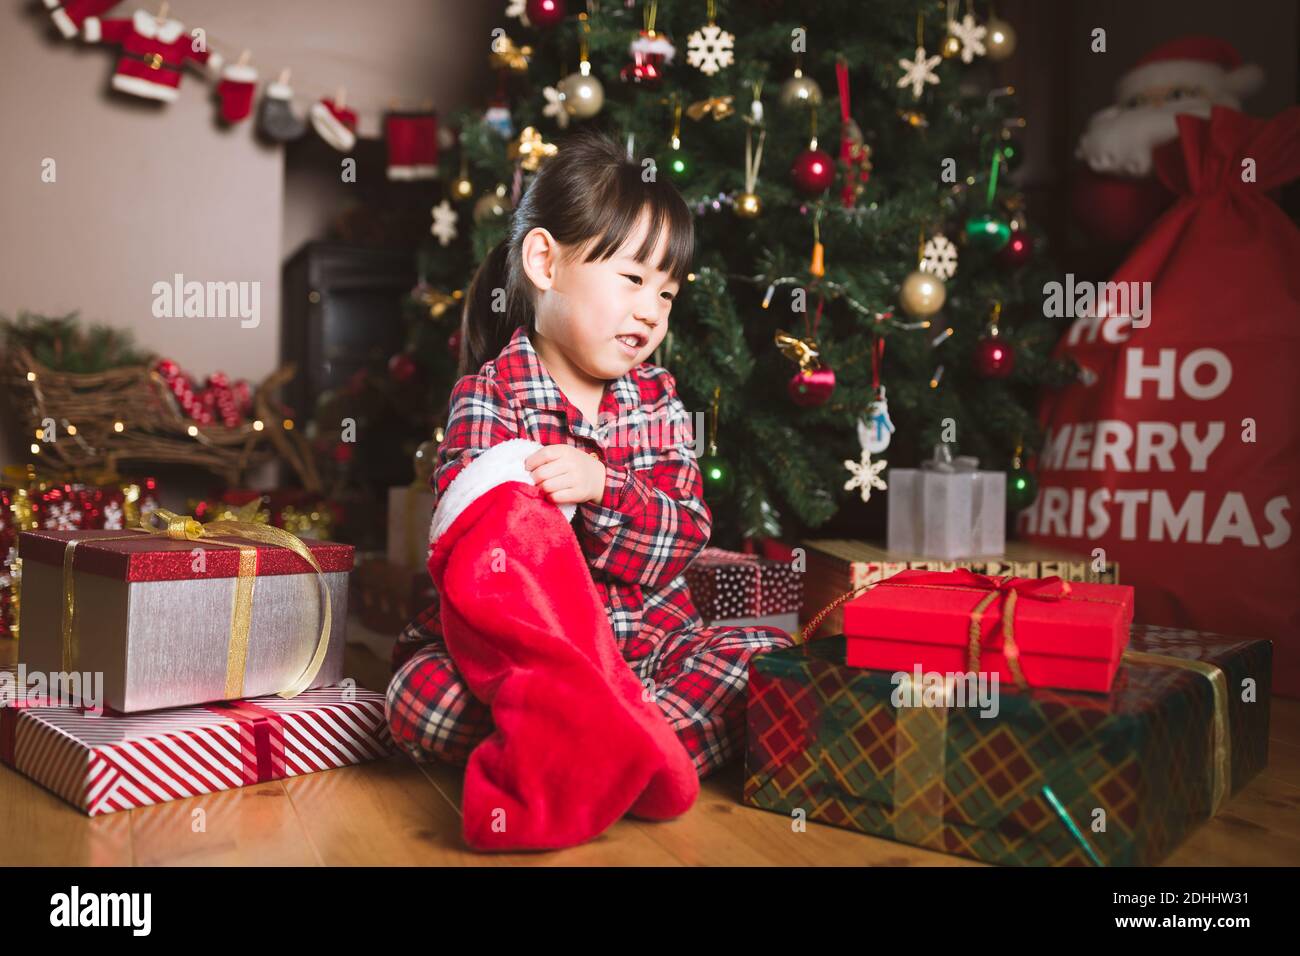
{"x":1018,"y":250}
{"x":994,"y":357}
{"x":342,"y":452}
{"x":544,"y":14}
{"x":402,"y":367}
{"x":813,"y":171}
{"x":811,"y":388}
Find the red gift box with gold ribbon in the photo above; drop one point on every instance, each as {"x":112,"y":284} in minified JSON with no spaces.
{"x":1043,"y":632}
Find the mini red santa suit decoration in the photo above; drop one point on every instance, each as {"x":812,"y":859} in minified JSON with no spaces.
{"x":575,"y":744}
{"x":335,"y":123}
{"x":1118,"y":196}
{"x":154,"y":53}
{"x":412,"y":140}
{"x":69,"y":17}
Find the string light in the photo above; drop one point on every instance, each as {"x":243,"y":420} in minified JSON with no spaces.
{"x":257,"y":425}
{"x":941,"y":337}
{"x":937,"y":377}
{"x":118,"y":426}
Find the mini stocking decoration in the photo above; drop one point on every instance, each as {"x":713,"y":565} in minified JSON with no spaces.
{"x":412,"y":145}
{"x":574,"y":745}
{"x":335,"y":123}
{"x":235,"y":90}
{"x":69,"y":17}
{"x":276,"y":120}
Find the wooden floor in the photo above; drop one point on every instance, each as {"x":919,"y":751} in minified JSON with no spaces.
{"x":397,"y":812}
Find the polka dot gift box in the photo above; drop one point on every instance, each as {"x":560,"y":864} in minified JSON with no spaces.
{"x":741,"y":589}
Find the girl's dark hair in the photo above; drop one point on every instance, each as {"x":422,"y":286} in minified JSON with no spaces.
{"x":589,"y":194}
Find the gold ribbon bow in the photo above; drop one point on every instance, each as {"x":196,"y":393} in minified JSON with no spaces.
{"x":506,"y":55}
{"x":800,"y":350}
{"x":530,"y":149}
{"x":186,"y":528}
{"x":719,"y":107}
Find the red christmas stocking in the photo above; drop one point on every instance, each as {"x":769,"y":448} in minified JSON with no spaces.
{"x":575,"y":746}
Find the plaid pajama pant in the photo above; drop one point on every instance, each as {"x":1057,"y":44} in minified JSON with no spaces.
{"x":698,"y":676}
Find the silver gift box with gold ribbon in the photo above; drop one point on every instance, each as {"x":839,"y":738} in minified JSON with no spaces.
{"x":210,"y":612}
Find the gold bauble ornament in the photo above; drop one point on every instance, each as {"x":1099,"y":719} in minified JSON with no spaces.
{"x":922,"y":295}
{"x":583,"y":95}
{"x":1000,"y":39}
{"x":951,"y":47}
{"x":492,"y":205}
{"x":748,"y":205}
{"x":800,"y":90}
{"x":462,"y":188}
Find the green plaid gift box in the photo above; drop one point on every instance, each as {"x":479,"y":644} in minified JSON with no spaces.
{"x":1054,"y":778}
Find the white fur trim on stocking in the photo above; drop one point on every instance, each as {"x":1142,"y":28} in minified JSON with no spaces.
{"x":498,"y":465}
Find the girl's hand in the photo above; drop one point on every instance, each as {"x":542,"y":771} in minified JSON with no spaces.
{"x":566,"y":474}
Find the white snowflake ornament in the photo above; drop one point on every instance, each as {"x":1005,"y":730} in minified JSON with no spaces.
{"x":710,"y":48}
{"x":519,"y":10}
{"x":971,"y":36}
{"x":444,"y":222}
{"x":63,"y":516}
{"x":939,"y":257}
{"x":555,"y":106}
{"x":866,"y":475}
{"x":919,"y":71}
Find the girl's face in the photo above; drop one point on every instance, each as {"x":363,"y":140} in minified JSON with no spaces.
{"x":606,"y":316}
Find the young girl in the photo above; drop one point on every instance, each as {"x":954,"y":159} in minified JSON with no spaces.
{"x":559,"y":323}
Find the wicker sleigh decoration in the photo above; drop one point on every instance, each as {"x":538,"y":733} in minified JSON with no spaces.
{"x":127,"y":414}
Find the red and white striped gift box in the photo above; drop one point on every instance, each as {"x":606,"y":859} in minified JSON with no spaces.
{"x":120,"y":761}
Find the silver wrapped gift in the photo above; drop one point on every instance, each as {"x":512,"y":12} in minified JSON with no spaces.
{"x":171,"y":623}
{"x":947,"y":509}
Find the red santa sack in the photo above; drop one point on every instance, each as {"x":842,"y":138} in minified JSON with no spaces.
{"x":1178,"y":450}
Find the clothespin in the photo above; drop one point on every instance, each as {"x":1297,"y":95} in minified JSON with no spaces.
{"x":340,"y":98}
{"x":163,"y":9}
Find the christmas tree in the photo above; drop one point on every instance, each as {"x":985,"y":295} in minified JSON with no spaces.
{"x":866,"y":272}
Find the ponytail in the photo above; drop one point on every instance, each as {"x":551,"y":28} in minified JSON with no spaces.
{"x":484,"y":330}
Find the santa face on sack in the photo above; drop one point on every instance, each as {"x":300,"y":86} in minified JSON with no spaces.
{"x":1189,"y":75}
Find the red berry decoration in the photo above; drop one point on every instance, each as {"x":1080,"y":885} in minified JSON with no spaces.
{"x":1016,"y":252}
{"x":994,"y":357}
{"x":813,"y":171}
{"x":402,"y":367}
{"x":545,"y":14}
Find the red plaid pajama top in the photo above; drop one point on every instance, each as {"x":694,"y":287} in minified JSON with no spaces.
{"x":652,"y":520}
